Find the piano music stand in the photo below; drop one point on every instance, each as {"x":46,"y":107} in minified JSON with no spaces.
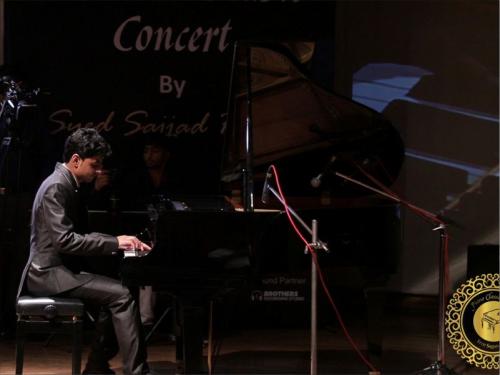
{"x":439,"y":366}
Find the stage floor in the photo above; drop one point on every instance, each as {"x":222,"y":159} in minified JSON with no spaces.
{"x":410,"y":339}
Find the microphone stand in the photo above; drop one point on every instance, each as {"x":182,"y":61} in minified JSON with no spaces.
{"x":439,"y":366}
{"x":317,"y":245}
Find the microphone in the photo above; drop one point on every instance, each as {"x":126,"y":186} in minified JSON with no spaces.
{"x":316,"y":181}
{"x":265,"y":189}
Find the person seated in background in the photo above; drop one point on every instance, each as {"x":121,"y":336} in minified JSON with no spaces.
{"x":58,"y":238}
{"x":150,"y":182}
{"x":143,"y":187}
{"x":138,"y":184}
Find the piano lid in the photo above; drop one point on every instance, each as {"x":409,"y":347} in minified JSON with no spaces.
{"x":294,"y":116}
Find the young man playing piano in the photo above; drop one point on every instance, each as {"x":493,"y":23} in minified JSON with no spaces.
{"x":58,"y":238}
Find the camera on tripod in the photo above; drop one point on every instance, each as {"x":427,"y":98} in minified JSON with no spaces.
{"x":19,"y":114}
{"x":15,"y":103}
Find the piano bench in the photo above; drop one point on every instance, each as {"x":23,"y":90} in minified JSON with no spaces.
{"x":49,"y":315}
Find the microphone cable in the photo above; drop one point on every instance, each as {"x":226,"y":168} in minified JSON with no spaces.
{"x":320,"y":273}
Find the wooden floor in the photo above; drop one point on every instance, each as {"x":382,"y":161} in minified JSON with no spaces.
{"x":410,"y":339}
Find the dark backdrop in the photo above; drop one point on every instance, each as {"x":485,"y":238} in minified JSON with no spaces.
{"x":102,"y":65}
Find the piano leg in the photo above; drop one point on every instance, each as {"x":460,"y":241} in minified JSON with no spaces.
{"x":189,"y":344}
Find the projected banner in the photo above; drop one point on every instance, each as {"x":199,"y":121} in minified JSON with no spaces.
{"x":143,"y":69}
{"x":150,"y":68}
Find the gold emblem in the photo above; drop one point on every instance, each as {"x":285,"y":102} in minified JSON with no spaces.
{"x":473,"y":321}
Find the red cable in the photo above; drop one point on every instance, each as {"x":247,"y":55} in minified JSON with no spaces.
{"x":320,"y":273}
{"x":422,"y":212}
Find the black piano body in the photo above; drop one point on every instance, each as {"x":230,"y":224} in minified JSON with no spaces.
{"x":198,"y":256}
{"x":203,"y":256}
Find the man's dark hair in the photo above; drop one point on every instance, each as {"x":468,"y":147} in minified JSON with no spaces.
{"x":86,"y":142}
{"x":155,"y":140}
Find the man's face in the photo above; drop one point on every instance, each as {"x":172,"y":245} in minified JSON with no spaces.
{"x":86,"y":170}
{"x":155,"y":156}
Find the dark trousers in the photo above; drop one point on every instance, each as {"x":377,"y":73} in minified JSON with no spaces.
{"x":121,"y":312}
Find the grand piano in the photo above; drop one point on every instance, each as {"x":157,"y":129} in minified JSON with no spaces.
{"x":209,"y":247}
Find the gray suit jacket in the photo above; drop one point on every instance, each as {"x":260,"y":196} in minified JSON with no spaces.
{"x":54,"y":233}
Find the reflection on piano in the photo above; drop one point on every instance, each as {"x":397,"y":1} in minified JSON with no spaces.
{"x":202,"y":255}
